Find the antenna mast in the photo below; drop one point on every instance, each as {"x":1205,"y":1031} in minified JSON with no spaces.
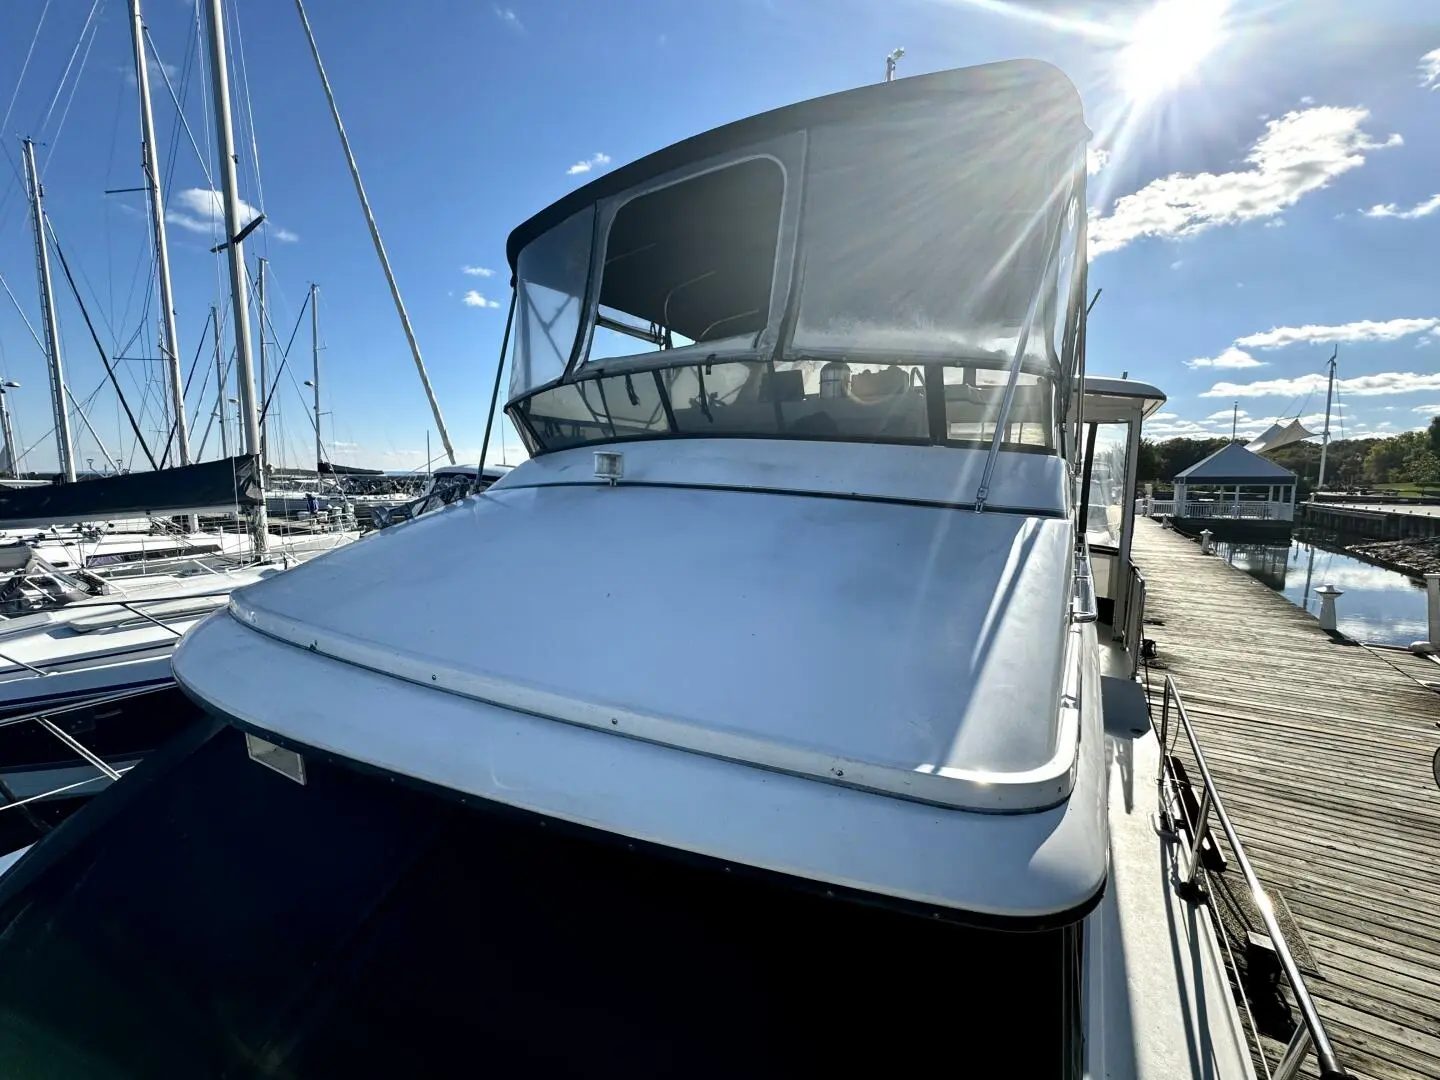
{"x":891,"y":61}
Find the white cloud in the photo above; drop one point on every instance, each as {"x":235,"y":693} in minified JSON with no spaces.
{"x":509,"y":18}
{"x":477,"y":271}
{"x":1363,"y":330}
{"x":1419,"y":210}
{"x":159,"y":72}
{"x":1388,"y":382}
{"x":1230,"y":358}
{"x":1173,"y":429}
{"x":1096,"y":159}
{"x":1430,"y":69}
{"x":202,"y":210}
{"x":1307,"y":100}
{"x":1299,"y":153}
{"x":599,"y":161}
{"x":1228,"y":414}
{"x":474,"y":299}
{"x":1434,"y":410}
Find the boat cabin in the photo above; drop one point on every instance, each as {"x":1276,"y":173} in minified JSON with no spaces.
{"x":1113,"y":412}
{"x":764,"y":732}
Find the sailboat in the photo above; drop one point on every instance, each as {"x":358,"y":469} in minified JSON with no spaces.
{"x":779,"y":719}
{"x":85,"y":680}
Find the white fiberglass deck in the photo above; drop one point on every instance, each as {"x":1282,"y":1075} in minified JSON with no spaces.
{"x":912,"y":649}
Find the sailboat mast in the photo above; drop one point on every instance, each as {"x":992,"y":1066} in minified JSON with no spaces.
{"x":375,"y":238}
{"x":244,"y":369}
{"x":220,"y":387}
{"x":1325,"y":438}
{"x":169,"y":345}
{"x":315,"y":363}
{"x":63,"y":442}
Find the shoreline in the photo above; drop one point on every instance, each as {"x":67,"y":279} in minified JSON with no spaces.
{"x":1414,"y":558}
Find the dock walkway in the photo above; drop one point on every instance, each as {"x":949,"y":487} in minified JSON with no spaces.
{"x":1322,"y":753}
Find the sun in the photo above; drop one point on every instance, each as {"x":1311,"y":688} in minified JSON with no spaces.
{"x":1167,"y":43}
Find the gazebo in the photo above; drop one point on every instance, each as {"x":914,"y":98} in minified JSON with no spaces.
{"x":1233,"y":493}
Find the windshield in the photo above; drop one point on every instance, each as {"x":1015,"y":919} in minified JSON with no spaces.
{"x":871,"y":402}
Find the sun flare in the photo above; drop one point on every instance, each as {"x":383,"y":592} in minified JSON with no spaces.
{"x":1167,"y":43}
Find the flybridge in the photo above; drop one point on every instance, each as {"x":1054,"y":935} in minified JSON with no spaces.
{"x":725,"y":286}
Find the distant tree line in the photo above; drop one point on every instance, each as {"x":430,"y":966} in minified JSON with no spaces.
{"x":1411,"y":458}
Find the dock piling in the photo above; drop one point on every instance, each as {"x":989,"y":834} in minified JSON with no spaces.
{"x":1328,"y":595}
{"x":1431,"y":644}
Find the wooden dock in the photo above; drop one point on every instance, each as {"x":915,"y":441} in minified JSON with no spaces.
{"x":1322,"y":753}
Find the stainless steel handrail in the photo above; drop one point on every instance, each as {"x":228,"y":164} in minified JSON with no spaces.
{"x":1084,"y":607}
{"x":1134,"y":625}
{"x":43,"y":719}
{"x":1311,"y":1034}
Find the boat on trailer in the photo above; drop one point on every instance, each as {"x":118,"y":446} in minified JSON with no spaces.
{"x":780,"y":719}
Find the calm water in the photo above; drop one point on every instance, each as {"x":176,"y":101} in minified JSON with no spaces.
{"x":1379,"y":605}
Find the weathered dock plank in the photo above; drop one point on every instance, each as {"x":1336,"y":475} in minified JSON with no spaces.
{"x":1322,"y":751}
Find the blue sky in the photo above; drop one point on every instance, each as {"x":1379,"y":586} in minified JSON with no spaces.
{"x":1280,"y":199}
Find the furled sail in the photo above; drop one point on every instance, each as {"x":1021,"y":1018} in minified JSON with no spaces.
{"x":212,"y":486}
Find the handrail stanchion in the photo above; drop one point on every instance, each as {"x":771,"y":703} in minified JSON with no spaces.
{"x":1315,"y":1037}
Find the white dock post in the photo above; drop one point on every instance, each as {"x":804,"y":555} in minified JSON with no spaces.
{"x":1328,"y":595}
{"x":1432,"y":619}
{"x":1205,"y":546}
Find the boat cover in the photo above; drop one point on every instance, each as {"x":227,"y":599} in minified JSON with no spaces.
{"x":227,"y":484}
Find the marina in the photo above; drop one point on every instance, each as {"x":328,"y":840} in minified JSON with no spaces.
{"x":1323,"y":750}
{"x":1379,"y":605}
{"x":823,"y":680}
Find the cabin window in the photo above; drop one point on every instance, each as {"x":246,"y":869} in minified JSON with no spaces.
{"x":893,"y":261}
{"x":359,"y":926}
{"x":551,"y":274}
{"x":691,"y":262}
{"x":1105,"y":504}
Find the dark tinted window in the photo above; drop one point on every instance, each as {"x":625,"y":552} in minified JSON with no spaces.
{"x":219,"y":919}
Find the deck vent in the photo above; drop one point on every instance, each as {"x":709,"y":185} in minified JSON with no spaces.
{"x":286,"y":762}
{"x":609,"y":466}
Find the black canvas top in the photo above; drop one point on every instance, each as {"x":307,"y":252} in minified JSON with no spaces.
{"x":218,"y":485}
{"x":1047,"y":95}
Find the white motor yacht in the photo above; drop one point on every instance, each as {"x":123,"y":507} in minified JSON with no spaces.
{"x":776,"y":718}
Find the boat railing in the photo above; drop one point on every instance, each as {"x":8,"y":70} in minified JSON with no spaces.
{"x":1176,"y":795}
{"x":44,"y":719}
{"x":134,"y":605}
{"x":1134,"y":625}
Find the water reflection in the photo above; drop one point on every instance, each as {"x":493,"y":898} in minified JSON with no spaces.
{"x":1379,"y":605}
